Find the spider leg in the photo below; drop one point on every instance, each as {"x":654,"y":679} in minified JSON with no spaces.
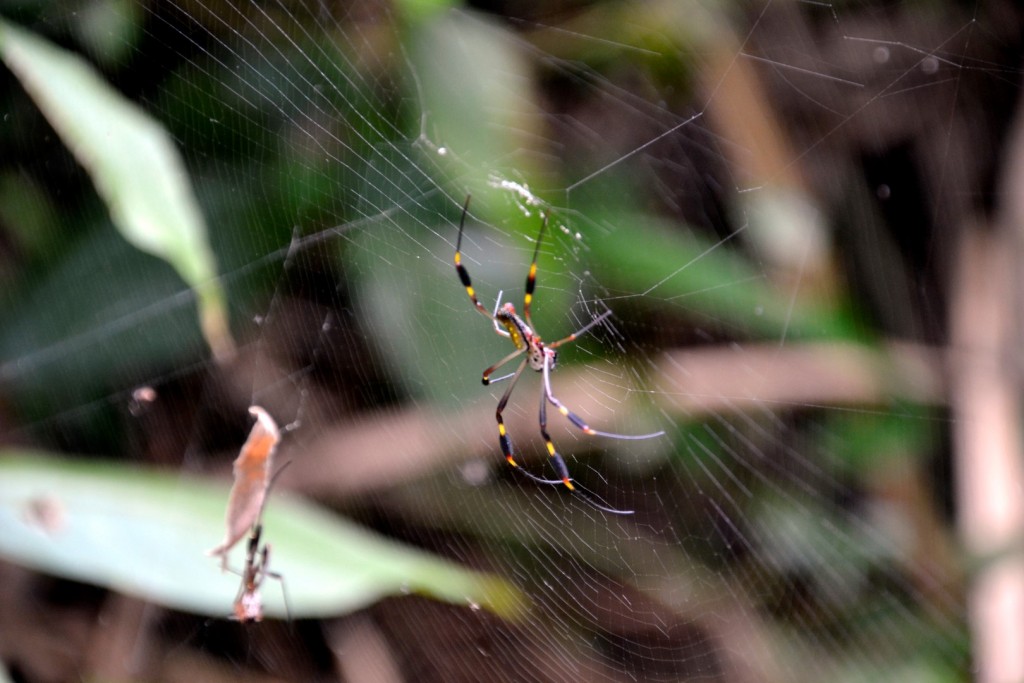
{"x":494,"y":317}
{"x":489,"y":371}
{"x":500,"y":379}
{"x":503,"y":438}
{"x":284,"y":587}
{"x":580,"y":332}
{"x":592,"y":502}
{"x":578,"y":421}
{"x":461,"y":269}
{"x":558,"y":462}
{"x":531,"y":276}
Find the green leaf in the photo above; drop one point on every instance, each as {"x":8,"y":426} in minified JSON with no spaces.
{"x":865,"y":442}
{"x":650,"y":256}
{"x":132,"y":161}
{"x":422,"y":10}
{"x":145,"y":533}
{"x":473,"y":81}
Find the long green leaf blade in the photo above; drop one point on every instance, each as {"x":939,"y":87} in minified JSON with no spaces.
{"x":132,"y":162}
{"x":145,"y":533}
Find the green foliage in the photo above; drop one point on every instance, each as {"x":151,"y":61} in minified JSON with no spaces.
{"x":707,"y":279}
{"x":145,"y":533}
{"x":864,"y":442}
{"x":365,"y":139}
{"x":132,"y":161}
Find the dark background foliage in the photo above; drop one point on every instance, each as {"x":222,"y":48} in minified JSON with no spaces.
{"x":803,"y":215}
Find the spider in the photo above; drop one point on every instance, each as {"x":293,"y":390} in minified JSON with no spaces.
{"x":246,"y":502}
{"x":248,"y":604}
{"x":540,"y":356}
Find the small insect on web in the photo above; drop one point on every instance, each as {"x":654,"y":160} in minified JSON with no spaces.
{"x":248,"y":497}
{"x":248,"y":605}
{"x":541,"y":357}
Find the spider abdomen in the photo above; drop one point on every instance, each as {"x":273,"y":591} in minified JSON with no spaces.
{"x":537,"y":353}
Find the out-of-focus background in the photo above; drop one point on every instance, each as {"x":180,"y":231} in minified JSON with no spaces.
{"x":804,"y":217}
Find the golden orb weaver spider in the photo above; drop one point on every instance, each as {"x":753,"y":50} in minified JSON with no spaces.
{"x":540,"y":356}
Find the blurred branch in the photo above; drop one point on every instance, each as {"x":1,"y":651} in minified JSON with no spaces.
{"x":986,"y":399}
{"x":362,"y":653}
{"x":810,"y":375}
{"x":121,"y":645}
{"x":362,"y":455}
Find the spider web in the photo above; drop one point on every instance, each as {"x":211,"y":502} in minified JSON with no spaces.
{"x":772,"y":200}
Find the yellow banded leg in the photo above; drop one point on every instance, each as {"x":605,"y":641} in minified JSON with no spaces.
{"x":531,"y":277}
{"x":503,"y":437}
{"x":557,"y":461}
